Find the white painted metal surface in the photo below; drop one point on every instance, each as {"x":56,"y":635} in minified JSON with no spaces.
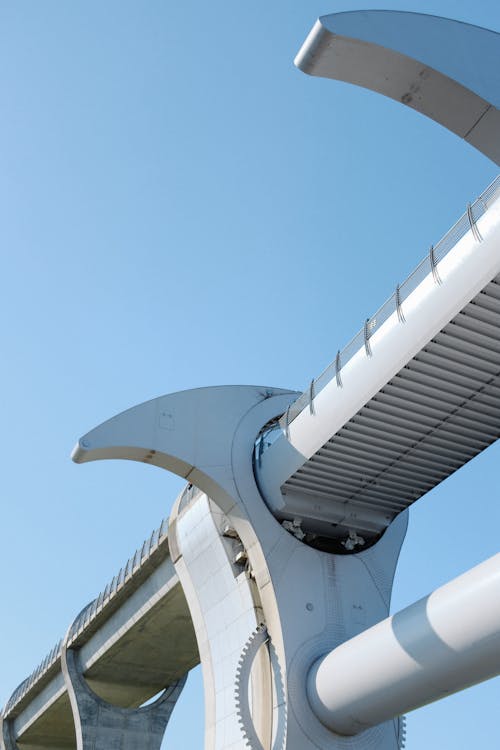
{"x":413,"y":404}
{"x":225,"y":614}
{"x":419,"y":61}
{"x":437,"y":646}
{"x":309,"y":600}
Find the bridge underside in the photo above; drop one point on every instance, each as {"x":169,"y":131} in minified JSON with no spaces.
{"x":151,"y":655}
{"x":54,"y":728}
{"x":146,"y":654}
{"x":438,"y":412}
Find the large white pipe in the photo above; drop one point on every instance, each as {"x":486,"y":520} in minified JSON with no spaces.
{"x":441,"y":644}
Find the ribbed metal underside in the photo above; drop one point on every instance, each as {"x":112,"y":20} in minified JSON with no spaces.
{"x":438,"y":412}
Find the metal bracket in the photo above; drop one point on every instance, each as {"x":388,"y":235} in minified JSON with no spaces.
{"x":311,"y":397}
{"x":366,"y":332}
{"x":434,"y":268}
{"x":473,"y":226}
{"x":338,"y":367}
{"x":399,"y":306}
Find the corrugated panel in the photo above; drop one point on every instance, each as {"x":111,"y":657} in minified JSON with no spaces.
{"x":438,"y":412}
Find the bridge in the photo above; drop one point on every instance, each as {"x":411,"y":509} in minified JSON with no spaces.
{"x":407,"y":402}
{"x":275,"y":568}
{"x":120,"y":638}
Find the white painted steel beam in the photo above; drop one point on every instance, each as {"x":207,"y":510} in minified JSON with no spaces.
{"x":446,"y":642}
{"x":445,"y":69}
{"x":412,"y":404}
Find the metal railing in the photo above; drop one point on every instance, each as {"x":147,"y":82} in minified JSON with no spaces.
{"x":125,"y":573}
{"x":466,"y":223}
{"x":25,"y":686}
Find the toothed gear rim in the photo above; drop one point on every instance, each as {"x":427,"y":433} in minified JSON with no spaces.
{"x":258,"y":638}
{"x":402,"y":732}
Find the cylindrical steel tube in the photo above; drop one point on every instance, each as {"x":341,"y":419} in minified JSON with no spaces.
{"x":437,"y":646}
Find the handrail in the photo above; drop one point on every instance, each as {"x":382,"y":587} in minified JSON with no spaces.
{"x":466,"y":223}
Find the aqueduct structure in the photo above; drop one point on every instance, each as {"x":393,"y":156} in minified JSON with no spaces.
{"x":275,"y":567}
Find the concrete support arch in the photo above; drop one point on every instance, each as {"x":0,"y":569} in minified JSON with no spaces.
{"x":7,"y":741}
{"x":101,"y":726}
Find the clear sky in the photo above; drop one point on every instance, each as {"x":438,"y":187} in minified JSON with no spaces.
{"x":179,"y":207}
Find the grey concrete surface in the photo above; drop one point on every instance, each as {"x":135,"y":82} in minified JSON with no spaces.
{"x":133,"y":641}
{"x":102,"y":726}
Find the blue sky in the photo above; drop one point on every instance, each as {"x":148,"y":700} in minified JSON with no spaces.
{"x":180,"y":206}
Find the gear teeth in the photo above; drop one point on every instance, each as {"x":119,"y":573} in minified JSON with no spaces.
{"x":402,"y":732}
{"x":248,"y":653}
{"x":258,"y":638}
